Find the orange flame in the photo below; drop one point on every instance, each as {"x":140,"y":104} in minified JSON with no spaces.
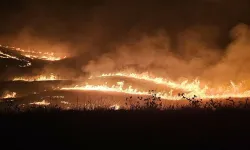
{"x":51,"y":77}
{"x":10,"y":95}
{"x":7,"y":56}
{"x":190,"y":88}
{"x":43,"y":102}
{"x":119,"y":88}
{"x":50,"y":56}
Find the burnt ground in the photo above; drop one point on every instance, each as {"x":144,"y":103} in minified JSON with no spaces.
{"x":186,"y":128}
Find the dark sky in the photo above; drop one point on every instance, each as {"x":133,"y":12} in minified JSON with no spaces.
{"x":102,"y":22}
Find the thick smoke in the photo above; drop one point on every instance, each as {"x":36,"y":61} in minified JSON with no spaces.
{"x":196,"y":56}
{"x":26,"y":39}
{"x":234,"y":64}
{"x":168,"y":38}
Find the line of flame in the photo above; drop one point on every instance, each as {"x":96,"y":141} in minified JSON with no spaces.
{"x":10,"y":95}
{"x":43,"y":102}
{"x":51,"y":77}
{"x":4,"y":55}
{"x":50,"y":56}
{"x":119,"y":88}
{"x":191,"y":88}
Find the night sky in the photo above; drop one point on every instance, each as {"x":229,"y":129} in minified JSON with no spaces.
{"x":105,"y":22}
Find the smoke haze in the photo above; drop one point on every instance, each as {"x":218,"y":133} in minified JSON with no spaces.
{"x":208,"y":39}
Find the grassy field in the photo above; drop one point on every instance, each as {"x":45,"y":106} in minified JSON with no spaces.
{"x":198,"y":128}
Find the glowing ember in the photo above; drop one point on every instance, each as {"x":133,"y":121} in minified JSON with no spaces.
{"x":51,"y":77}
{"x":115,"y":107}
{"x":64,"y":102}
{"x":10,"y":95}
{"x":43,"y":102}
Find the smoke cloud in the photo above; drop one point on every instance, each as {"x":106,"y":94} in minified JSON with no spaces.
{"x":196,"y":56}
{"x":25,"y":39}
{"x":234,"y":64}
{"x":197,"y":38}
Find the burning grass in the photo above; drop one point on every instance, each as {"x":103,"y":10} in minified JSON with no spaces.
{"x":50,"y":77}
{"x":168,"y":89}
{"x":49,"y":56}
{"x":7,"y":55}
{"x":7,"y":95}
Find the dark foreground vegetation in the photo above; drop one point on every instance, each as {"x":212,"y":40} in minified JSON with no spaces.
{"x":211,"y":125}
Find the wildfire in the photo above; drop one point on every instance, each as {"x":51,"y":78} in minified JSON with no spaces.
{"x":50,"y":56}
{"x":184,"y":85}
{"x":51,"y":77}
{"x":10,"y":95}
{"x":40,"y":55}
{"x":119,"y":88}
{"x":64,"y":102}
{"x":44,"y":57}
{"x":189,"y":88}
{"x":115,"y":107}
{"x":7,"y":56}
{"x":43,"y":103}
